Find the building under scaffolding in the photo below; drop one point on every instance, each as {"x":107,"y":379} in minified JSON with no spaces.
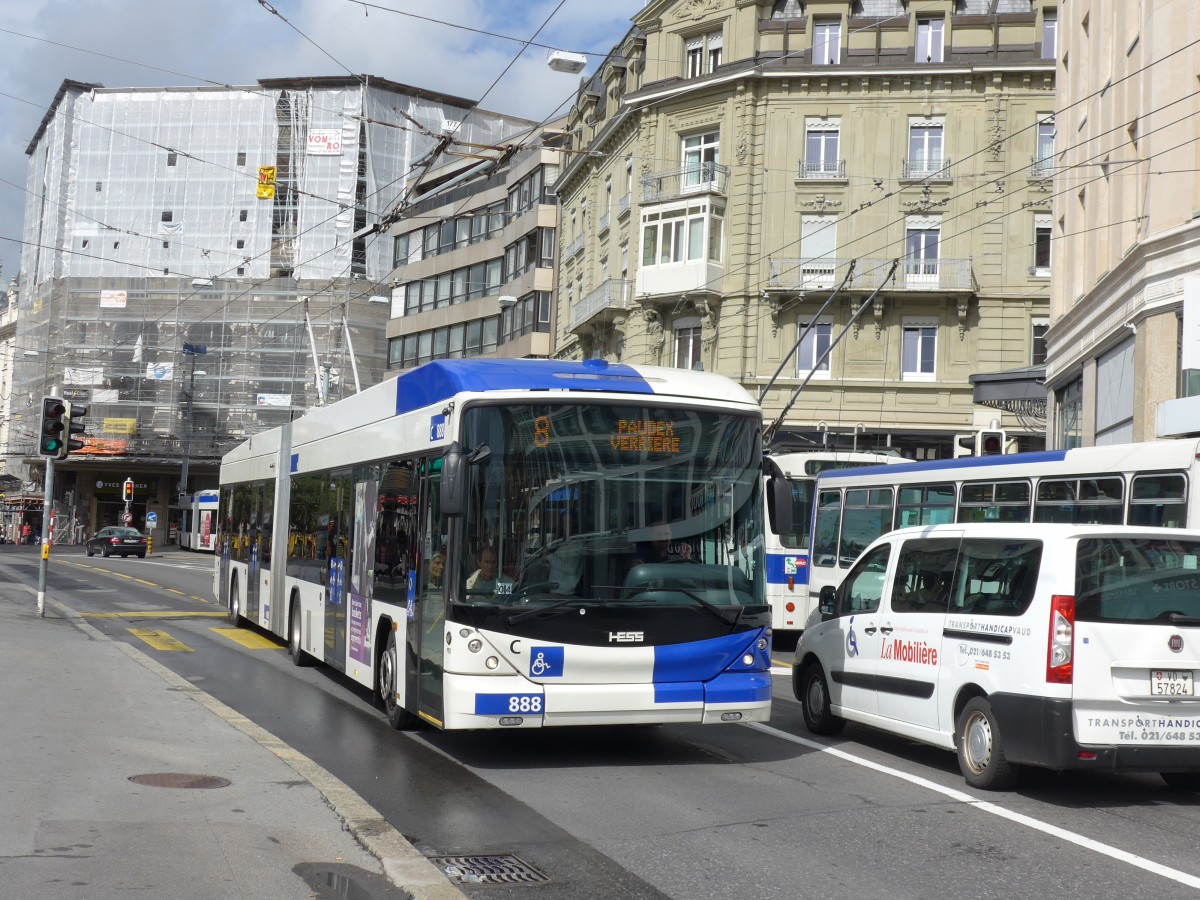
{"x":198,"y":267}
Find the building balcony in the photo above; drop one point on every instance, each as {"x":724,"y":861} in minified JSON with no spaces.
{"x":660,"y":187}
{"x":916,"y":275}
{"x":1041,"y":167}
{"x":805,"y":274}
{"x":603,"y":223}
{"x":678,"y":278}
{"x":623,"y":204}
{"x":922,"y":169}
{"x":613,"y":294}
{"x":574,"y":247}
{"x":816,"y":169}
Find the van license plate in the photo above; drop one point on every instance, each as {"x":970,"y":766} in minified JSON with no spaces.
{"x":1171,"y":683}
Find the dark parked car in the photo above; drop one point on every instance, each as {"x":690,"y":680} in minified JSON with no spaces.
{"x":116,"y":540}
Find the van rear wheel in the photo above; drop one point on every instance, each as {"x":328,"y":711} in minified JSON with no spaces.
{"x":980,"y":748}
{"x":814,"y":697}
{"x":1182,"y":781}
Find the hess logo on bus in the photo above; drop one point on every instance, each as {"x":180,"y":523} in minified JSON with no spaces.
{"x":626,"y":637}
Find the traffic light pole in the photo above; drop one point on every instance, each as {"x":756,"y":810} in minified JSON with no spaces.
{"x":47,"y":537}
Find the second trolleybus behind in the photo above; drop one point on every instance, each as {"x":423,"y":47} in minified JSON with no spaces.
{"x":514,"y":543}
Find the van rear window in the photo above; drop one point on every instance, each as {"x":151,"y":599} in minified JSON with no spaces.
{"x":1137,"y":580}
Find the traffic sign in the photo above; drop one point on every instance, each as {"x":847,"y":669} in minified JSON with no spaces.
{"x":151,"y":519}
{"x":127,"y":518}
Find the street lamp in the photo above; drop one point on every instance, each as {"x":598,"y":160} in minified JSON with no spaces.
{"x":190,"y":350}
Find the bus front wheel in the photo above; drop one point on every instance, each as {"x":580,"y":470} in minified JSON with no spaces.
{"x":387,"y":680}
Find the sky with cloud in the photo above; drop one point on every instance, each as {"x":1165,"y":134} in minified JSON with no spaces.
{"x":140,"y":43}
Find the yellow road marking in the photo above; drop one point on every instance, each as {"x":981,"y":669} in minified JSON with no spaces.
{"x":248,"y":639}
{"x":159,"y":640}
{"x":139,"y":581}
{"x":153,"y":614}
{"x":144,"y":581}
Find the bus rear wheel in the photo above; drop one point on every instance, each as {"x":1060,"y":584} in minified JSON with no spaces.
{"x":295,"y":643}
{"x":387,"y":680}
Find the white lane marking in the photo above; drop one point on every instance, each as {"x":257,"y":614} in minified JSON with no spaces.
{"x":988,"y":807}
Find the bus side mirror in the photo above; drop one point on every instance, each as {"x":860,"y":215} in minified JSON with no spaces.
{"x":455,"y":463}
{"x":779,"y":504}
{"x":454,"y":481}
{"x":827,"y":601}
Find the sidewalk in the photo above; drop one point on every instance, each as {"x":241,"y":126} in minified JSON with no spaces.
{"x":82,"y":715}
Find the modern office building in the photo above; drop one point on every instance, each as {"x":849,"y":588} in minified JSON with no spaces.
{"x":1123,"y":352}
{"x":843,"y":204}
{"x":474,"y":257}
{"x":201,"y":263}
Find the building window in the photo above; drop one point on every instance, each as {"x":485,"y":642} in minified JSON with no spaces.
{"x":827,"y":43}
{"x":701,"y":156}
{"x":1043,"y":160}
{"x":921,"y":250}
{"x":1037,"y":341}
{"x":821,"y":146}
{"x":167,"y":215}
{"x":925,"y":149}
{"x":930,"y":36}
{"x":703,"y":54}
{"x":241,"y":244}
{"x":241,"y":157}
{"x":681,"y":235}
{"x":624,"y":260}
{"x":920,"y":349}
{"x":786,"y":9}
{"x":1049,"y":34}
{"x":400,"y":251}
{"x":1041,"y":246}
{"x":172,"y":158}
{"x":166,"y":245}
{"x":818,"y":244}
{"x":242,"y":214}
{"x":240,"y":271}
{"x":99,"y":186}
{"x":687,"y":343}
{"x":813,"y":356}
{"x":1068,"y":419}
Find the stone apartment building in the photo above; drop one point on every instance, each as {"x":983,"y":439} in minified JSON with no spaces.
{"x":1123,"y":352}
{"x":855,"y":195}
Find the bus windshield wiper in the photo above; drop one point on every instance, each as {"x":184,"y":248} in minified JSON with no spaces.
{"x":712,"y":608}
{"x":541,"y":610}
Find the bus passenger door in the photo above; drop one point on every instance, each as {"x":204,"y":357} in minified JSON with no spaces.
{"x":430,"y":598}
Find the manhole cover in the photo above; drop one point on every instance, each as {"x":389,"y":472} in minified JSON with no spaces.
{"x":180,"y":780}
{"x":503,"y":868}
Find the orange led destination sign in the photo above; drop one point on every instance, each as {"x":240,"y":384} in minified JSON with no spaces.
{"x":644,"y":436}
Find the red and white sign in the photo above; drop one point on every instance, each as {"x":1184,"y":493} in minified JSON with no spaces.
{"x":325,"y":143}
{"x":127,"y":518}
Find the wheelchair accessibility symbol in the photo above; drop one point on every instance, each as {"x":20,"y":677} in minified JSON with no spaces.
{"x":546,"y":662}
{"x":851,"y":640}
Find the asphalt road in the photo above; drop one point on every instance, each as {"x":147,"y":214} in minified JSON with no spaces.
{"x":675,"y":811}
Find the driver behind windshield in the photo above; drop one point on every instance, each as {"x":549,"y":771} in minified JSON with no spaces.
{"x":487,"y":580}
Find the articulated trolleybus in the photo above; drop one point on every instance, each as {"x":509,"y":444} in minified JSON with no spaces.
{"x":519,"y":543}
{"x":787,"y":550}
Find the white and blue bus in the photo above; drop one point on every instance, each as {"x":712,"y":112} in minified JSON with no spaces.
{"x":787,"y":551}
{"x":514,"y":543}
{"x":198,"y":523}
{"x":1148,"y":484}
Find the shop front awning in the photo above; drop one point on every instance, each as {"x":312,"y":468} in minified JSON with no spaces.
{"x":1021,"y":392}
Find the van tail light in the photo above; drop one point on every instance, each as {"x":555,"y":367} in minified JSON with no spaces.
{"x":1060,"y":657}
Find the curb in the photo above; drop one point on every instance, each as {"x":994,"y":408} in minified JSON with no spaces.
{"x":402,"y":863}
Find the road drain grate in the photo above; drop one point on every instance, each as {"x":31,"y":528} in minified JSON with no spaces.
{"x":180,"y":780}
{"x":503,"y":868}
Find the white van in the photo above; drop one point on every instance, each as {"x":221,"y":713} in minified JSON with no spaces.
{"x":1063,"y":646}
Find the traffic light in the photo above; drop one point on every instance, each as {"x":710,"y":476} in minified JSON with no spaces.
{"x":964,"y":445}
{"x":51,"y":436}
{"x":991,"y":442}
{"x":74,"y":425}
{"x":127,"y":490}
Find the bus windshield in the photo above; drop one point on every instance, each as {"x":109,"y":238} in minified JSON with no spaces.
{"x":612,"y":502}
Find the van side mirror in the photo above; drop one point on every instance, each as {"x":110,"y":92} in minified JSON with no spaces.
{"x":827,"y":601}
